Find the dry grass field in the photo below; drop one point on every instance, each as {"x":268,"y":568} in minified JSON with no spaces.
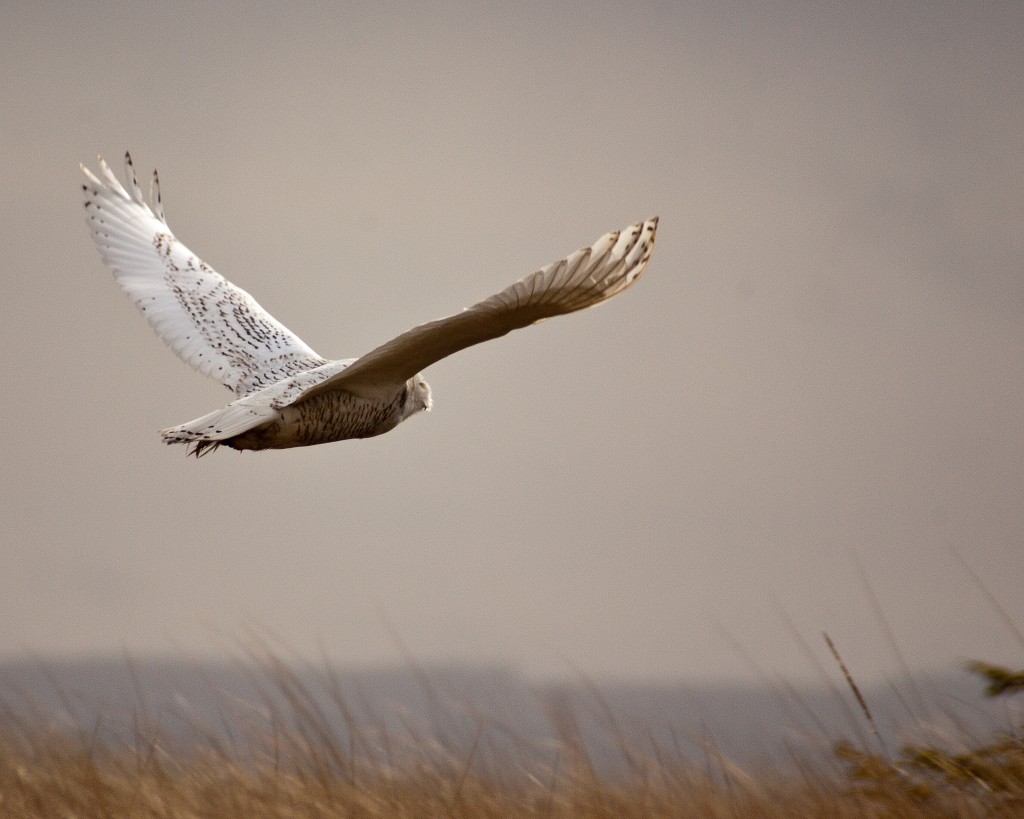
{"x":283,"y":761}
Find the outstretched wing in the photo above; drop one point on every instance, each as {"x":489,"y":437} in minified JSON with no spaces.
{"x":217,"y":328}
{"x":589,"y":276}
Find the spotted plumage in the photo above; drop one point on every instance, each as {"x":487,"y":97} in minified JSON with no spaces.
{"x":286,"y":394}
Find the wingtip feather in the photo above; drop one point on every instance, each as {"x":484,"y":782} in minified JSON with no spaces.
{"x":129,"y":174}
{"x":156,"y":202}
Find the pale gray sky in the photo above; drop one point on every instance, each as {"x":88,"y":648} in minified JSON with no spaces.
{"x":821,"y":370}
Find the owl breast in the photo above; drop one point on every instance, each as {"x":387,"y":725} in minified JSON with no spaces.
{"x":329,"y":416}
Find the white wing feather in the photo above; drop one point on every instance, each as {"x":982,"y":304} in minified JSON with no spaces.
{"x":215,"y":327}
{"x":585,"y":278}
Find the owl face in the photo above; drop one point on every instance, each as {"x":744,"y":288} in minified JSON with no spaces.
{"x":417,"y":397}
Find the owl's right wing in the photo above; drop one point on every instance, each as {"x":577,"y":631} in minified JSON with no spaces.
{"x":214,"y":326}
{"x":587,"y":277}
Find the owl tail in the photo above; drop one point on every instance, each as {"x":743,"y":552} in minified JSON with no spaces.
{"x":220,"y":426}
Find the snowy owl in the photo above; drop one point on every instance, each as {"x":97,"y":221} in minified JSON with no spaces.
{"x":287,"y":394}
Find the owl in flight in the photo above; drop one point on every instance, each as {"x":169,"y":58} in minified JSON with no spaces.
{"x":286,"y":394}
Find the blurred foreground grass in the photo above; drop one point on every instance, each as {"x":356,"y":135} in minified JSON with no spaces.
{"x":282,"y":761}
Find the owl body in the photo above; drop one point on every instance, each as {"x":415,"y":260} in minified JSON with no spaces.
{"x":335,"y":415}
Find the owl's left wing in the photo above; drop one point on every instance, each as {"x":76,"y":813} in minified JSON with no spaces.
{"x":587,"y":277}
{"x":214,"y":326}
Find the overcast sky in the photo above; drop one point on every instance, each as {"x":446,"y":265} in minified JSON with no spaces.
{"x":814,"y":394}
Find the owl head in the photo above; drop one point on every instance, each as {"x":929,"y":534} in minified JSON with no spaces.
{"x":417,"y":396}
